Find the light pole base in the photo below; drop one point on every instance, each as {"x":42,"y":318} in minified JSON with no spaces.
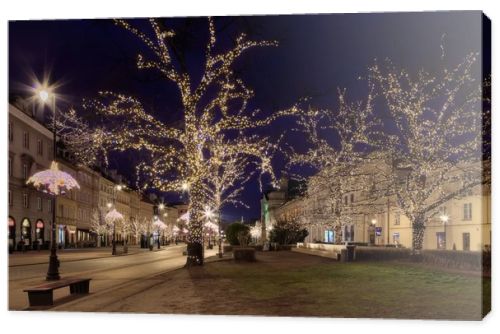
{"x":53,"y":272}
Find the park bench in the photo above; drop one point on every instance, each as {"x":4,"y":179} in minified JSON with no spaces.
{"x":43,"y":295}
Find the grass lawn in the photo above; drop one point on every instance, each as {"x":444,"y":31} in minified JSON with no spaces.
{"x":325,"y":288}
{"x":294,"y":284}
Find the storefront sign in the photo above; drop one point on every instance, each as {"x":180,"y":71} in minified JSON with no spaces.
{"x":378,"y":231}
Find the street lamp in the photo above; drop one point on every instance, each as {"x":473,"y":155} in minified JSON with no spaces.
{"x":52,"y":181}
{"x":116,"y":188}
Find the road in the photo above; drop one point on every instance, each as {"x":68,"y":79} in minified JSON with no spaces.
{"x":113,"y":278}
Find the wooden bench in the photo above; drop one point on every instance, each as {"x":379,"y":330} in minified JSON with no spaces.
{"x":44,"y":294}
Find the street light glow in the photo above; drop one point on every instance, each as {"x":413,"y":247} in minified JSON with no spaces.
{"x":374,"y":221}
{"x":161,"y":206}
{"x":43,"y":94}
{"x":444,"y":218}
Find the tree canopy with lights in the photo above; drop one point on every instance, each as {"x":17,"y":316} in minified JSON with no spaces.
{"x":215,"y":110}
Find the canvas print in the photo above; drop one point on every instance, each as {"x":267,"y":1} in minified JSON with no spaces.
{"x":333,"y":165}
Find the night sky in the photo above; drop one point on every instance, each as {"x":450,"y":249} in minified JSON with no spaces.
{"x":317,"y":54}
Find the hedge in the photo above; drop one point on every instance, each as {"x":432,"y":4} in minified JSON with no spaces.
{"x":453,"y":259}
{"x":381,"y":253}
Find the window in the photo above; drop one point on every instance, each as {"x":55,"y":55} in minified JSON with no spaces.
{"x":11,"y":132}
{"x":39,"y":203}
{"x":26,"y":202}
{"x":25,"y":171}
{"x":467,"y":211}
{"x":395,"y":238}
{"x":441,"y":240}
{"x":397,"y":218}
{"x":352,"y":198}
{"x":466,"y":241}
{"x":10,"y":197}
{"x":10,"y":166}
{"x":346,"y":200}
{"x":49,"y":205}
{"x":39,"y":147}
{"x":26,"y":140}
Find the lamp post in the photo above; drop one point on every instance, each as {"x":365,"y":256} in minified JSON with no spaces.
{"x":53,"y":270}
{"x":52,"y":181}
{"x":444,"y":219}
{"x":115,"y":189}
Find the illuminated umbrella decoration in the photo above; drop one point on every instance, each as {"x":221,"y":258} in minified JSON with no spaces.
{"x":175,"y":230}
{"x":159,"y":225}
{"x":113,"y":216}
{"x":185,"y":217}
{"x":212,"y":227}
{"x":53,"y":181}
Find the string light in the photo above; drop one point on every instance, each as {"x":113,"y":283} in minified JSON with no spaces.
{"x":184,"y":158}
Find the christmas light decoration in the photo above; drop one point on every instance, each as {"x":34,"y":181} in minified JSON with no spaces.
{"x":53,"y":181}
{"x":182,"y":159}
{"x":340,"y":166}
{"x":439,"y":148}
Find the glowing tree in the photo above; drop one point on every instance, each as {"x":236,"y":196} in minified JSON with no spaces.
{"x":215,"y":106}
{"x":98,"y":225}
{"x":338,"y":163}
{"x":436,"y":145}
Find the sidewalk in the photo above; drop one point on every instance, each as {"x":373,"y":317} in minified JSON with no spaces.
{"x":72,"y":254}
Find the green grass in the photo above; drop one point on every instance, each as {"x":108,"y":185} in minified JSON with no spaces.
{"x":357,"y":289}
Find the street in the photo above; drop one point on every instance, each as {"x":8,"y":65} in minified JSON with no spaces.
{"x":113,"y":277}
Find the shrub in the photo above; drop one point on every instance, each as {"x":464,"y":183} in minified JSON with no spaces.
{"x":381,"y":253}
{"x":453,"y":259}
{"x":288,"y":232}
{"x":244,"y":254}
{"x":237,"y":233}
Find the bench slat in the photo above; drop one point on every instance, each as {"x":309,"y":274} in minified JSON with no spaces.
{"x":58,"y":284}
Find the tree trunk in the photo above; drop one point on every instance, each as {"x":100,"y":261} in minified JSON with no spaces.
{"x":418,"y":234}
{"x":195,"y":236}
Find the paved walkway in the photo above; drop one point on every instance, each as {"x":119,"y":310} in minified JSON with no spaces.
{"x":71,"y":254}
{"x":112,"y":276}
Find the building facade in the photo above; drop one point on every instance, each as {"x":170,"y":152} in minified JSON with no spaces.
{"x":30,"y":151}
{"x":467,"y":225}
{"x":30,"y":211}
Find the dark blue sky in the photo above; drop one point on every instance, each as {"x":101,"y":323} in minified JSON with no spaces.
{"x":317,"y":54}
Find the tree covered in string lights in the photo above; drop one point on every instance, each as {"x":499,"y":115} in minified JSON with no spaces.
{"x":98,"y":225}
{"x":339,"y":162}
{"x":215,"y":108}
{"x":435,"y":148}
